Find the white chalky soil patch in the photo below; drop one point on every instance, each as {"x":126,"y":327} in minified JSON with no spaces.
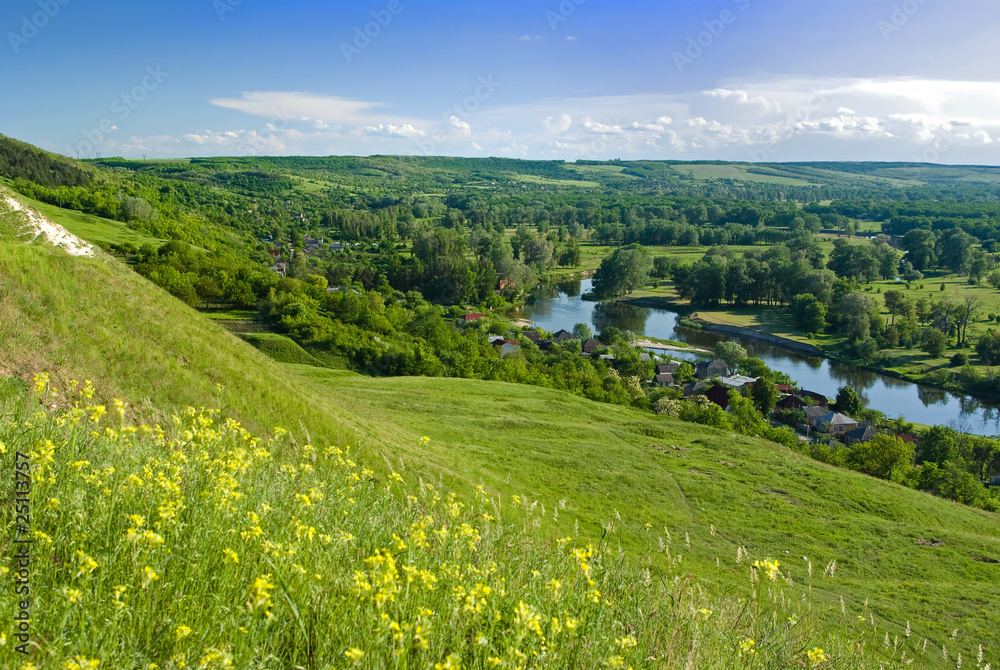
{"x":39,"y":226}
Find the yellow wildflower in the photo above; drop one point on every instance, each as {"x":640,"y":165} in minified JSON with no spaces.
{"x":148,"y":576}
{"x":353,"y":654}
{"x":182,"y":632}
{"x":231,"y":555}
{"x":260,"y":593}
{"x":81,"y":663}
{"x":87,"y":564}
{"x":816,"y":657}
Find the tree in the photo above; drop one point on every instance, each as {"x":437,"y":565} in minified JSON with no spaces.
{"x":538,"y":252}
{"x":988,"y":347}
{"x":855,"y":261}
{"x":933,"y":341}
{"x":764,"y":395}
{"x":920,"y":245}
{"x":730,"y":352}
{"x":956,"y":250}
{"x":937,"y":445}
{"x":848,"y":401}
{"x":809,"y":313}
{"x":898,"y":304}
{"x":623,"y":271}
{"x":570,"y":256}
{"x":855,"y":311}
{"x":882,"y":457}
{"x":582,"y":331}
{"x":964,"y":313}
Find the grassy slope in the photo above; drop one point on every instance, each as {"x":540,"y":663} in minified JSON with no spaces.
{"x":89,"y":227}
{"x":600,"y":459}
{"x":92,"y":318}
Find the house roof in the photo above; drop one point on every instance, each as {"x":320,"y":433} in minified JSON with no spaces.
{"x":815,"y":412}
{"x":474,"y":316}
{"x":532,"y":335}
{"x":836,"y":419}
{"x":665,"y":378}
{"x":591,"y":344}
{"x":737,"y":381}
{"x":667,"y":368}
{"x":563,"y":335}
{"x":861,"y":434}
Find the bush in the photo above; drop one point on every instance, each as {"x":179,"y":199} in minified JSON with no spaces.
{"x":959,"y":359}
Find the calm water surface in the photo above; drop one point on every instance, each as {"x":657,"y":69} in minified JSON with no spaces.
{"x":560,"y":306}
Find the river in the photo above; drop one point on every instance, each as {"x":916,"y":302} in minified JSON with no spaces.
{"x":560,"y":306}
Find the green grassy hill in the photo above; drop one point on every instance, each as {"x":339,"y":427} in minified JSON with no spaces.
{"x":624,"y":476}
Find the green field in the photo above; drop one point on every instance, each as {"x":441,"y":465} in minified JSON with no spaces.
{"x":547,"y":181}
{"x":737,"y":172}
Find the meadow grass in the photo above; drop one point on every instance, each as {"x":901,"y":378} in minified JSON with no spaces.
{"x":586,"y":463}
{"x":200,"y":545}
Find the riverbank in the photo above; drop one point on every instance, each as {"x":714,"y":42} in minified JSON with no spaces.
{"x":938,"y":373}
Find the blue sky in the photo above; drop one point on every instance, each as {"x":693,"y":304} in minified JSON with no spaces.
{"x":570,"y":79}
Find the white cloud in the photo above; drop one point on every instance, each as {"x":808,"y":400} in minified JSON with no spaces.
{"x":383,"y":130}
{"x":459,"y":126}
{"x":530,"y":38}
{"x":558,"y":124}
{"x":571,"y":38}
{"x":796,"y":119}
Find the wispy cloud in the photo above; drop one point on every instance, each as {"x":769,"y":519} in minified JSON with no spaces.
{"x":847,"y":117}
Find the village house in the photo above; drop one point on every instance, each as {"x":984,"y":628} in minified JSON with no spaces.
{"x":694,"y":388}
{"x":592,"y":345}
{"x":738,"y":382}
{"x":709,"y":369}
{"x":859,"y":435}
{"x":563,"y":336}
{"x":507,"y":348}
{"x":718,"y":395}
{"x":663,"y":380}
{"x":816,"y":398}
{"x":532,"y":335}
{"x":835,"y":423}
{"x":473,"y":316}
{"x":790,"y":402}
{"x":667,"y":368}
